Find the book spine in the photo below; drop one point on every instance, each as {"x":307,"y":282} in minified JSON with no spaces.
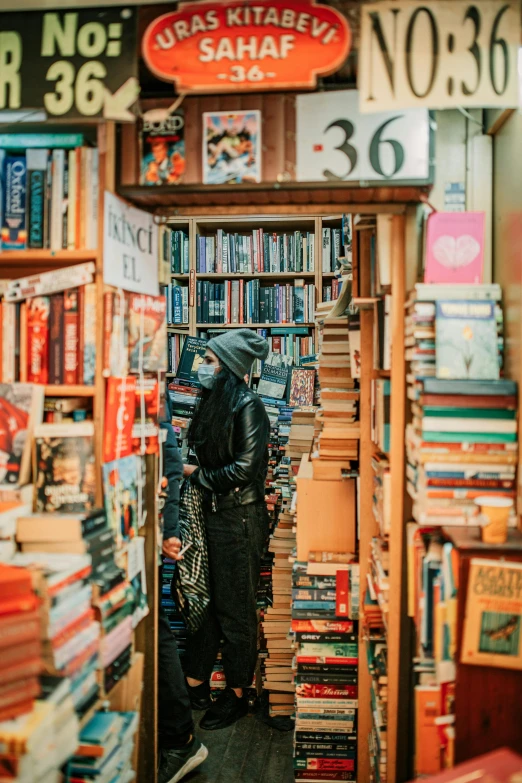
{"x":13,"y":200}
{"x":92,"y":202}
{"x":65,"y":202}
{"x":108,"y":305}
{"x":177,"y":304}
{"x":56,"y":334}
{"x":38,"y":340}
{"x":36,"y":207}
{"x":71,"y":334}
{"x":88,"y":359}
{"x":72,"y":205}
{"x":57,"y":200}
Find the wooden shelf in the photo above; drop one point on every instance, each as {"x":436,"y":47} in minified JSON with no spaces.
{"x":46,"y":257}
{"x":251,"y":326}
{"x":181,"y":276}
{"x":57,"y":390}
{"x":253,"y":275}
{"x":176,"y":327}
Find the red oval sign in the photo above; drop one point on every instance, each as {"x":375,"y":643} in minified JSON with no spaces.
{"x":229,"y":46}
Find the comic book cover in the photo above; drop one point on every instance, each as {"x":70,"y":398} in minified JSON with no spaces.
{"x":147,"y":333}
{"x":21,"y":409}
{"x":65,"y":471}
{"x":120,"y":490}
{"x":163,"y":150}
{"x":231,"y":147}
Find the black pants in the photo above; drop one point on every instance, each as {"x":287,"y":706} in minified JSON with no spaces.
{"x":175,"y":724}
{"x":236,"y":539}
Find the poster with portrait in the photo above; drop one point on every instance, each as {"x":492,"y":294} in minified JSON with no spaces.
{"x":162,"y":148}
{"x":231,"y":147}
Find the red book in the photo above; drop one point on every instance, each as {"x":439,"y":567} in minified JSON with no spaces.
{"x":276,"y":345}
{"x":71,"y":334}
{"x":14,"y":583}
{"x":81,"y":332}
{"x":119,"y":418}
{"x":323,"y":626}
{"x":19,"y":627}
{"x":310,"y":690}
{"x":38,"y":339}
{"x":18,"y":671}
{"x":9,"y":713}
{"x":56,"y":315}
{"x":342,"y":594}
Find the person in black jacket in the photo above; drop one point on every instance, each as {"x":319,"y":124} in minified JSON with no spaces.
{"x":180,"y":750}
{"x":229,"y":434}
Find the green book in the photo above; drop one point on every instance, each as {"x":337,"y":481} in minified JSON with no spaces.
{"x":22,"y":141}
{"x":468,"y":413}
{"x":469,"y":437}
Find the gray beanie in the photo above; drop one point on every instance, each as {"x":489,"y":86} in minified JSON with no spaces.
{"x":238,"y":348}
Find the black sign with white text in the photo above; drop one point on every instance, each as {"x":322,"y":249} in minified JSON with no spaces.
{"x":73,"y":64}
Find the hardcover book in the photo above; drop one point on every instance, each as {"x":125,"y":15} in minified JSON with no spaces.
{"x":493,"y":615}
{"x":302,"y":387}
{"x":120,"y":489}
{"x":274,"y":377}
{"x":21,"y":409}
{"x":38,"y":339}
{"x":147,"y":333}
{"x":163,"y":150}
{"x":36,"y":202}
{"x":13,"y":194}
{"x":455,"y":247}
{"x":466,"y":340}
{"x":119,"y":418}
{"x":65,"y":475}
{"x":191,"y":357}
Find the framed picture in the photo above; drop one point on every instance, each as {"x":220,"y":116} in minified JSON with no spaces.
{"x":231,"y":147}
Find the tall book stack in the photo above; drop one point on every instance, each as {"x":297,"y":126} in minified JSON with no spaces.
{"x":325,"y":605}
{"x":20,"y":645}
{"x":337,"y":443}
{"x":49,"y":192}
{"x":105,"y":750}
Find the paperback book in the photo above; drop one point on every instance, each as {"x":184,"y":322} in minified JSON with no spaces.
{"x":274,"y":377}
{"x":65,"y":474}
{"x":120,"y":489}
{"x":163,"y":150}
{"x":147,"y":333}
{"x":466,"y":340}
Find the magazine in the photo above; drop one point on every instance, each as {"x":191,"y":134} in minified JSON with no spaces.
{"x":147,"y":320}
{"x":65,"y":470}
{"x":231,"y":147}
{"x":274,"y":377}
{"x":162,"y":147}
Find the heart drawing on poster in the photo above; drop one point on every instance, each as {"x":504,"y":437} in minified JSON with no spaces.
{"x":455,"y":252}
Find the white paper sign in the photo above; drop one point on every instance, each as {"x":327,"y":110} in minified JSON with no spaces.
{"x":440,"y":55}
{"x":130,"y":247}
{"x":335,"y":142}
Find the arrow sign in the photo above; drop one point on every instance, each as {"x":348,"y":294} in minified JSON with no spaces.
{"x":116,"y":105}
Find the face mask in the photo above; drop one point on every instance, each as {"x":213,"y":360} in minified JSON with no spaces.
{"x":207,"y":375}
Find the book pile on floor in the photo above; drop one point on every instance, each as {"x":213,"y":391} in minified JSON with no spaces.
{"x":462,"y":441}
{"x":106,"y":748}
{"x":337,"y":442}
{"x":325,"y":607}
{"x":69,"y":632}
{"x":20,"y":645}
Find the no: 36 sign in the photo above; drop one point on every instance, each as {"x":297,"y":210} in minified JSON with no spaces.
{"x":335,"y":142}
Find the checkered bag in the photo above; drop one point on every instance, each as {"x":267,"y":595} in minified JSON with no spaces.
{"x":190,"y":586}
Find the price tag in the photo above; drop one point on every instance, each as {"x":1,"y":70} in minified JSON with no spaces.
{"x":336,"y":142}
{"x":439,"y":55}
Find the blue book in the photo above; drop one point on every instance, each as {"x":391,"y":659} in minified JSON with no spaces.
{"x":23,"y":141}
{"x":100,"y":727}
{"x":201,"y":249}
{"x":13,"y":181}
{"x":327,"y":606}
{"x":185,"y":245}
{"x":177,"y":305}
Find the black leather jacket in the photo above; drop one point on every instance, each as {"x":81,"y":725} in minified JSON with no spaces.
{"x":241,"y":480}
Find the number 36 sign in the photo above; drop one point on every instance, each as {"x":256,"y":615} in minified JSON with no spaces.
{"x":335,"y":142}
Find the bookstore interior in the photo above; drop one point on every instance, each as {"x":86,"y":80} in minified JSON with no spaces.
{"x":332,"y":185}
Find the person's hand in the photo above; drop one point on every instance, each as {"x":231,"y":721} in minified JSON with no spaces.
{"x":171,"y":548}
{"x":188,"y":470}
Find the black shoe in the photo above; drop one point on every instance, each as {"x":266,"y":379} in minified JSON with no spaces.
{"x":200,"y":696}
{"x":225,"y":711}
{"x":176,"y":763}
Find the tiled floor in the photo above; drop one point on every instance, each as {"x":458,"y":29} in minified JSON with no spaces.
{"x":247,"y":752}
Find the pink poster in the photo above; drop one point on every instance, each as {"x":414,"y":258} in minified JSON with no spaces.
{"x":455,"y":247}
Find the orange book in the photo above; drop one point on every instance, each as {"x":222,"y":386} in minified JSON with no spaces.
{"x":427,"y":743}
{"x":38,"y":308}
{"x":14,"y":583}
{"x":119,"y":418}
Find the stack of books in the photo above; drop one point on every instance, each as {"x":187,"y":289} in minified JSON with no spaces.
{"x":247,"y":302}
{"x":48,"y":324}
{"x":49,"y":194}
{"x":69,"y":632}
{"x":114,"y":610}
{"x":461,"y":444}
{"x":14,"y":502}
{"x":258,"y":251}
{"x":325,"y":605}
{"x":381,"y":498}
{"x":174,"y":250}
{"x":56,"y":692}
{"x":378,"y":576}
{"x":106,"y":748}
{"x":381,"y":413}
{"x":20,"y":645}
{"x":175,"y":343}
{"x":337,"y":443}
{"x":376,"y":652}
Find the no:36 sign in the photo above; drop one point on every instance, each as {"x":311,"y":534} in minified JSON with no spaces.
{"x":335,"y":142}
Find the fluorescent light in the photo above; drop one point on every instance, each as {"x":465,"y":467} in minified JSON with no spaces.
{"x":10,"y":116}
